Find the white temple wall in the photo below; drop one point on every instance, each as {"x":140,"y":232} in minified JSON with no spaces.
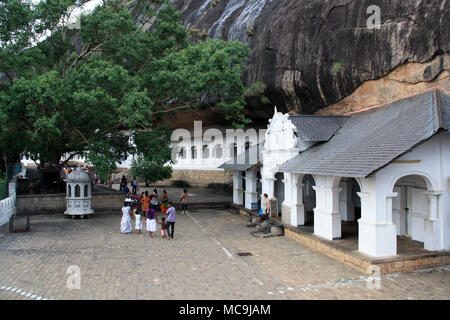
{"x":428,"y":161}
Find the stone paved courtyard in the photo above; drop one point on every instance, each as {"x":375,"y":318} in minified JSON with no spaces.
{"x":201,"y":262}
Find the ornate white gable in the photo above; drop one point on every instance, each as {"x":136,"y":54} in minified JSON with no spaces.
{"x":280,"y":133}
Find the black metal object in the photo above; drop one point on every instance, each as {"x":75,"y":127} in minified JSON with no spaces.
{"x":244,"y":254}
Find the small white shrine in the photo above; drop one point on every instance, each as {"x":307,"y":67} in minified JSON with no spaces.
{"x":79,"y":194}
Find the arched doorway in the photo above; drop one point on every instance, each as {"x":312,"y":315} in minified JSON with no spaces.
{"x":309,"y":198}
{"x":410,"y":209}
{"x":279,"y":190}
{"x":349,"y":207}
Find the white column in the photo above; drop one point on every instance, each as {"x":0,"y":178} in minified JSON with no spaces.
{"x":238,"y":194}
{"x":432,"y":234}
{"x":286,"y":205}
{"x":397,"y":217}
{"x":298,"y":211}
{"x":250,"y":189}
{"x":346,"y":206}
{"x":327,"y":219}
{"x":377,"y":234}
{"x":268,"y":185}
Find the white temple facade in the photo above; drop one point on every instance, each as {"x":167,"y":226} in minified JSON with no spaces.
{"x":386,"y":170}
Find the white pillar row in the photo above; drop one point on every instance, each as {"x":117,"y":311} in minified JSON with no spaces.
{"x":297,"y":207}
{"x":432,"y":235}
{"x":250,"y":188}
{"x":377,"y":234}
{"x":238,"y":192}
{"x":327,"y":219}
{"x":346,"y":205}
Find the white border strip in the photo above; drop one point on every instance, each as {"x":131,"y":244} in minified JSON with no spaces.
{"x":28,"y":295}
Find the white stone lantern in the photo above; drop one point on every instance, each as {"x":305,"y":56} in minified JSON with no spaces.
{"x":79,"y":194}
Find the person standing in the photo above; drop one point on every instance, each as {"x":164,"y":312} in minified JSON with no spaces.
{"x":145,"y":200}
{"x":123,"y":182}
{"x":184,"y":201}
{"x":164,"y":202}
{"x":134,"y":184}
{"x":137,"y":212}
{"x":154,"y":200}
{"x":163,"y":224}
{"x":151,"y":221}
{"x":126,"y":224}
{"x":171,"y":220}
{"x":265,"y":206}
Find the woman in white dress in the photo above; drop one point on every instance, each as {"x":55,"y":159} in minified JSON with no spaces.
{"x":126,"y":226}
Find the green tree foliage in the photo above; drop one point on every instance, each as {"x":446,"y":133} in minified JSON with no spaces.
{"x":93,"y":91}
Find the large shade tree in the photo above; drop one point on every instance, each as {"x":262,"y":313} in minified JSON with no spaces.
{"x":93,"y":91}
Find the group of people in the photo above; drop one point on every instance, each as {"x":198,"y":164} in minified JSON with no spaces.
{"x":146,"y":207}
{"x":124,"y":185}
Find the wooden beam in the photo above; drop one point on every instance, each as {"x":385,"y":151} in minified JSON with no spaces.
{"x":406,"y":161}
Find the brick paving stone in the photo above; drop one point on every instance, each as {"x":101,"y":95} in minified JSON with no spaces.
{"x":194,"y":265}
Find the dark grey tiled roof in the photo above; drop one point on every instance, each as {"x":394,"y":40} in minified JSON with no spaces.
{"x":245,"y":160}
{"x":317,"y":128}
{"x":370,"y":140}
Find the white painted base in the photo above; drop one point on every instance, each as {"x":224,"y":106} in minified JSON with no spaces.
{"x":285,"y":214}
{"x":298,"y":215}
{"x":238,"y":196}
{"x":377,"y":240}
{"x":249,"y":198}
{"x":327,"y":225}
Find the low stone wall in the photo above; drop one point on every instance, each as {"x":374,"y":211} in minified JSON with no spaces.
{"x":106,"y":200}
{"x":362,"y":263}
{"x":200,"y":178}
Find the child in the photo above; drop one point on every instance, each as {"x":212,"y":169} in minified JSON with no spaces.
{"x":163,"y":227}
{"x":151,"y":221}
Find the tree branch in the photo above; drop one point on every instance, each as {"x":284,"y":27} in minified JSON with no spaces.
{"x":173,"y":109}
{"x":85,"y":52}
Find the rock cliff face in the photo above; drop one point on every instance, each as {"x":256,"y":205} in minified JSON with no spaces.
{"x":321,"y":56}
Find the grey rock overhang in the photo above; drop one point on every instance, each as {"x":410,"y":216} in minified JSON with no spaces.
{"x":370,"y":140}
{"x":317,"y":128}
{"x":244,"y":161}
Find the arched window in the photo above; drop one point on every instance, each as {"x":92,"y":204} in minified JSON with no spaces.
{"x":77,"y":191}
{"x":69,"y":191}
{"x":86,"y":191}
